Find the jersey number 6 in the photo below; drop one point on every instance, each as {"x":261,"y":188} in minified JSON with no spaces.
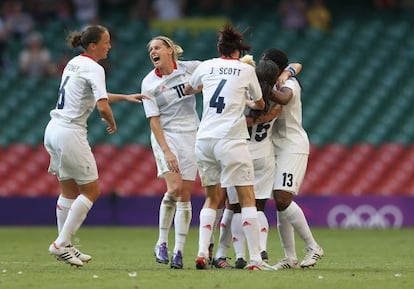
{"x":61,"y":99}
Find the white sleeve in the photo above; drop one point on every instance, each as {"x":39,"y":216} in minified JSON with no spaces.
{"x":150,"y":105}
{"x":97,"y":82}
{"x":195,"y":79}
{"x":255,"y":91}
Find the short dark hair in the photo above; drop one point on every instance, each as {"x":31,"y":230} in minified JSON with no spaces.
{"x":230,"y":40}
{"x":277,"y":56}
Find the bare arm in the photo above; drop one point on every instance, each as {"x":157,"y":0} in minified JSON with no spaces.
{"x":158,"y":132}
{"x":273,"y":112}
{"x":256,"y":105}
{"x":116,"y":97}
{"x":190,"y":90}
{"x":107,"y":116}
{"x":292,"y":69}
{"x":282,"y":96}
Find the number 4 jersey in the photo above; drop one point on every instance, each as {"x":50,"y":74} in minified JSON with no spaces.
{"x":226,"y":83}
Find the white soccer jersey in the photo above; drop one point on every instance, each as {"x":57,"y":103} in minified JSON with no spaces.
{"x":260,"y":141}
{"x":82,"y":85}
{"x":225,"y":86}
{"x":289,"y":136}
{"x":177,"y":111}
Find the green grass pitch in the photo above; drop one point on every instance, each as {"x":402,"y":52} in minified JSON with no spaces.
{"x":123,"y":258}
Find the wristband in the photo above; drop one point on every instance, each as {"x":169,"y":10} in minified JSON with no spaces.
{"x":291,"y":70}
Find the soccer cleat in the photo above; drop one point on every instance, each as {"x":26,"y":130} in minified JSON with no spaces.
{"x":222,"y":263}
{"x":264,"y":255}
{"x":240,"y":263}
{"x":81,"y":256}
{"x":263,"y":266}
{"x":311,"y":257}
{"x":286,"y":263}
{"x":64,"y":254}
{"x":201,"y":262}
{"x":161,"y":253}
{"x":177,"y":260}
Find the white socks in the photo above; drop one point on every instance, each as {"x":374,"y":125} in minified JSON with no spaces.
{"x":264,"y":230}
{"x":287,"y":236}
{"x":225,"y":234}
{"x":62,"y":209}
{"x":207,"y":219}
{"x":239,"y":239}
{"x":182,"y":222}
{"x":166,"y":216}
{"x":77,"y":214}
{"x":251,"y":230}
{"x":294,"y":216}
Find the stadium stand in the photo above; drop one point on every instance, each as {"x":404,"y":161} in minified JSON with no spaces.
{"x":358,"y":100}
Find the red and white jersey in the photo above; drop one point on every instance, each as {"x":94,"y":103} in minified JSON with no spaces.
{"x":226,"y":83}
{"x":177,"y":111}
{"x":81,"y":86}
{"x":289,"y":136}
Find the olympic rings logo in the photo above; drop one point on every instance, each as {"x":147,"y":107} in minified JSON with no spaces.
{"x":365,"y":216}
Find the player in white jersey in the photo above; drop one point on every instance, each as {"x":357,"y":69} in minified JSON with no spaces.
{"x":71,"y":159}
{"x":291,"y":148}
{"x":261,"y":150}
{"x":174,"y":121}
{"x":222,"y":153}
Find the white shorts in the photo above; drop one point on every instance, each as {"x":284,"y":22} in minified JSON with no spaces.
{"x":71,"y":156}
{"x":289,"y":172}
{"x":263,"y":181}
{"x":225,"y":161}
{"x":182,"y":145}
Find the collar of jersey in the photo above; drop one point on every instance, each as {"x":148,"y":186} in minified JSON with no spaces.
{"x":228,"y":58}
{"x":86,"y":55}
{"x":158,"y":73}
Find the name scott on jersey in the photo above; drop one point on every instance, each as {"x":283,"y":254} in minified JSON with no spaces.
{"x":227,"y":71}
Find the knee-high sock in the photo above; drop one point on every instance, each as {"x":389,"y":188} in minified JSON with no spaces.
{"x":294,"y":215}
{"x":182,"y":222}
{"x":264,"y":230}
{"x":287,"y":236}
{"x":225,"y":234}
{"x":219,"y":214}
{"x":77,"y":214}
{"x":207,"y":219}
{"x":252,"y":231}
{"x":166,"y":216}
{"x":62,"y":209}
{"x":239,"y":238}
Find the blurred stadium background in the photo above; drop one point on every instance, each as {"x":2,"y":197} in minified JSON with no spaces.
{"x":358,"y":99}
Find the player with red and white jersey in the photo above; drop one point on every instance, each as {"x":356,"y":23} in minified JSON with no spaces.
{"x":174,"y":121}
{"x":291,"y":148}
{"x":82,"y":88}
{"x":222,"y":153}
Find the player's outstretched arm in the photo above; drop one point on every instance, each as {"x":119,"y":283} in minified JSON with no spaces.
{"x":135,"y":97}
{"x":188,"y":89}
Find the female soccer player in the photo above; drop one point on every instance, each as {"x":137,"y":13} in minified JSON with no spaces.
{"x":222,"y":153}
{"x":174,"y":121}
{"x":81,"y":89}
{"x":291,"y":149}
